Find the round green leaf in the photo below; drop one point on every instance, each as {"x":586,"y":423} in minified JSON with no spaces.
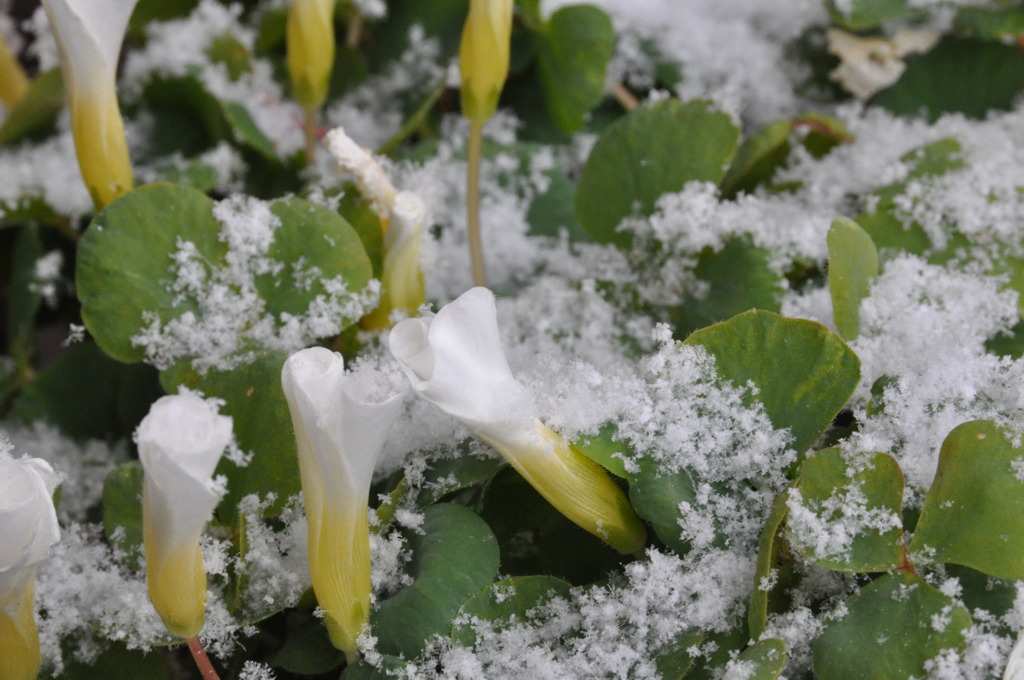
{"x":804,"y":372}
{"x":125,"y":266}
{"x":653,"y":150}
{"x":573,"y":50}
{"x":505,"y":603}
{"x":739,"y":277}
{"x":307,"y":649}
{"x":758,"y":158}
{"x":974,"y":512}
{"x":972,"y":77}
{"x":603,"y":448}
{"x":859,"y":502}
{"x":891,"y":628}
{"x":262,"y":424}
{"x":761,"y":661}
{"x":852,"y":264}
{"x":454,"y":558}
{"x":656,"y":497}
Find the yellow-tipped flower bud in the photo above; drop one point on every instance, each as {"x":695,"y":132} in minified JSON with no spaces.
{"x":402,"y":284}
{"x":310,"y":40}
{"x":455,"y":361}
{"x":13,"y":82}
{"x":89,"y":35}
{"x":340,"y":425}
{"x":484,"y":56}
{"x":180,"y":442}
{"x":28,"y":529}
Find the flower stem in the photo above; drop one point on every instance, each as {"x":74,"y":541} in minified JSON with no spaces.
{"x":202,"y":660}
{"x":476,"y":252}
{"x":624,"y":97}
{"x":310,"y":129}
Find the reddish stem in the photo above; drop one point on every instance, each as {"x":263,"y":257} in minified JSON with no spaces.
{"x":202,"y":660}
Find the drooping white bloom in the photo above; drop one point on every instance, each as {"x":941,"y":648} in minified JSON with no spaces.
{"x":28,"y":529}
{"x":89,"y":35}
{"x":340,"y":427}
{"x":180,"y":442}
{"x":455,"y":361}
{"x":369,"y":175}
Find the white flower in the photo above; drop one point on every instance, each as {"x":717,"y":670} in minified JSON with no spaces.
{"x":455,"y":361}
{"x":89,"y":35}
{"x":180,"y":442}
{"x":340,"y":425}
{"x":28,"y":529}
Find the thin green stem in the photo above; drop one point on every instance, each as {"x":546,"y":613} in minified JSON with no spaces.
{"x":415,"y":121}
{"x":310,"y":129}
{"x":202,"y":660}
{"x":476,"y":251}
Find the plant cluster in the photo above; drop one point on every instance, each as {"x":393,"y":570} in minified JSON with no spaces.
{"x":439,"y":339}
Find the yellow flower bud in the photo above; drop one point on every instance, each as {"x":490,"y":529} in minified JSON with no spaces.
{"x":310,"y":40}
{"x":19,"y":638}
{"x":180,"y":441}
{"x":484,"y":55}
{"x":13,"y":82}
{"x":89,"y":36}
{"x":339,"y":434}
{"x":402,"y":279}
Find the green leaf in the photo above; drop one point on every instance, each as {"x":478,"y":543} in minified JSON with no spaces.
{"x":1001,"y":24}
{"x":307,"y":649}
{"x":118,"y":662}
{"x":675,"y":661}
{"x":573,"y":50}
{"x":37,"y":109}
{"x":758,"y":158}
{"x":859,"y":499}
{"x":974,"y":511}
{"x":762,"y":661}
{"x":852,"y":265}
{"x":122,"y":509}
{"x":450,"y":475}
{"x":656,"y":496}
{"x":604,"y":449}
{"x":506,"y":603}
{"x":244,"y":130}
{"x":24,"y":298}
{"x":971,"y":77}
{"x":655,"y":149}
{"x":125,"y":258}
{"x":262,"y":424}
{"x":228,"y":50}
{"x":88,"y":395}
{"x":535,"y":538}
{"x":804,"y":372}
{"x":859,"y":15}
{"x":891,"y":628}
{"x":454,"y":556}
{"x":770,"y":568}
{"x":739,"y":278}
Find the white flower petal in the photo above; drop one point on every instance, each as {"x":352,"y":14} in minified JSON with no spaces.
{"x":455,"y":360}
{"x":28,"y":521}
{"x":89,"y":35}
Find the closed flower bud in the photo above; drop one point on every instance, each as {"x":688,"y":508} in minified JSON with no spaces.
{"x":340,"y":427}
{"x":28,"y":529}
{"x":402,"y":284}
{"x":89,"y":35}
{"x":180,"y":442}
{"x":484,"y":56}
{"x":13,"y":82}
{"x":455,"y":361}
{"x":310,"y":38}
